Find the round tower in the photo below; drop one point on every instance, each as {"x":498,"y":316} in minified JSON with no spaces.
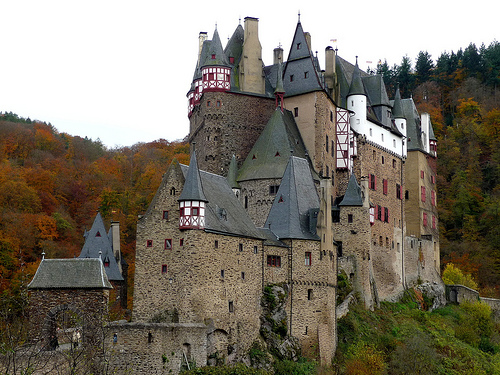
{"x":356,"y":102}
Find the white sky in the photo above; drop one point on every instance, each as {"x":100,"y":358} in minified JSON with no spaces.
{"x":120,"y":70}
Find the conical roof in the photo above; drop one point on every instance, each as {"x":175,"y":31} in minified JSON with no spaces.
{"x":296,"y":203}
{"x":397,"y":107}
{"x":356,"y":87}
{"x":353,"y":195}
{"x":98,"y":245}
{"x":193,"y":188}
{"x":215,"y":55}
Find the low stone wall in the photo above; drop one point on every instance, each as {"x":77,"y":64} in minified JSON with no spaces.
{"x":495,"y":306}
{"x":460,"y":293}
{"x":155,"y":348}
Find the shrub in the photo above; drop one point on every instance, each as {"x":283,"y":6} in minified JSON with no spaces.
{"x":454,"y":275}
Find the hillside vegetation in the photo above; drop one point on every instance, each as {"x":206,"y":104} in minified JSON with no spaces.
{"x":52,"y":184}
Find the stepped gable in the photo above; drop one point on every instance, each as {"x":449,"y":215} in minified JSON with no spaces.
{"x":353,"y":195}
{"x":292,"y":214}
{"x":269,"y":156}
{"x":223,"y":213}
{"x":76,"y":273}
{"x":98,"y":244}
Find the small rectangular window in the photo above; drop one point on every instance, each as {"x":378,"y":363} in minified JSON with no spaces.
{"x":168,"y":243}
{"x":222,"y":273}
{"x":399,"y":191}
{"x":296,"y":111}
{"x":273,"y":189}
{"x":350,"y":218}
{"x":216,"y":244}
{"x":231,"y":306}
{"x":425,"y":219}
{"x":291,"y":77}
{"x":385,"y":186}
{"x":240,"y":247}
{"x":309,"y":294}
{"x":308,"y":258}
{"x":422,"y":174}
{"x":165,"y":215}
{"x":273,"y":261}
{"x":255,"y":249}
{"x":243,"y":276}
{"x":422,"y":193}
{"x":164,"y":268}
{"x":326,"y":144}
{"x":149,"y":243}
{"x":181,"y":242}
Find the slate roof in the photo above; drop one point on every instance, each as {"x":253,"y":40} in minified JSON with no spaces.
{"x":76,"y":273}
{"x":268,"y":157}
{"x":193,"y":187}
{"x":294,"y":211}
{"x":413,"y":125}
{"x":98,"y":244}
{"x":215,"y":48}
{"x":397,"y":107}
{"x":223,"y":211}
{"x":353,"y":195}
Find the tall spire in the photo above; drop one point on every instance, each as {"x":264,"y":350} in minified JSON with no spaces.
{"x":397,"y":107}
{"x":356,"y":87}
{"x":193,"y":189}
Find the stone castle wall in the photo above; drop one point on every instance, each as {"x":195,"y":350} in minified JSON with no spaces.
{"x":226,"y":124}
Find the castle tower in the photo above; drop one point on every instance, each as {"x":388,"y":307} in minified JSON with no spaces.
{"x":357,"y":101}
{"x":192,"y":199}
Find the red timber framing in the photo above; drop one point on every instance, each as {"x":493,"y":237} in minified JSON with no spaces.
{"x":343,"y":139}
{"x":192,"y":215}
{"x":216,"y":79}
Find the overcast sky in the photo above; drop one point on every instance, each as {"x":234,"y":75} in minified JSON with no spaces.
{"x":120,"y":70}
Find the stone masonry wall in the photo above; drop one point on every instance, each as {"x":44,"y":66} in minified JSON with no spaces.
{"x":155,"y":348}
{"x":202,"y":277}
{"x":226,"y":124}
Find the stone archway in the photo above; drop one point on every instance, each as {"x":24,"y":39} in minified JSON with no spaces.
{"x":64,"y":325}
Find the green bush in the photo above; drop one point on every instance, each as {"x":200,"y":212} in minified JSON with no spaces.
{"x":301,"y":367}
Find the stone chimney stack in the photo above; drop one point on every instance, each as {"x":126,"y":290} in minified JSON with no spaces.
{"x":201,"y":38}
{"x":251,"y":73}
{"x":278,"y":55}
{"x":115,"y":232}
{"x":330,"y":71}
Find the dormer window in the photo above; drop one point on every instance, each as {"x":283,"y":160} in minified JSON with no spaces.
{"x":231,"y":60}
{"x":299,"y":45}
{"x":291,"y":77}
{"x":192,"y":214}
{"x":306,"y":74}
{"x":98,"y":234}
{"x":213,"y":56}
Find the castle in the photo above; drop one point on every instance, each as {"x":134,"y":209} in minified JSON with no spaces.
{"x":297,"y":174}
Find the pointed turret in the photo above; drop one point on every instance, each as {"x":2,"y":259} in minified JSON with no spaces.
{"x":353,"y":195}
{"x":357,"y":101}
{"x":294,"y":211}
{"x":192,"y":199}
{"x":398,"y":113}
{"x":215,"y":67}
{"x":98,"y":244}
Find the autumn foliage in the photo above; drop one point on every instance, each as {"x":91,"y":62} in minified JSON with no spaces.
{"x":52,"y":184}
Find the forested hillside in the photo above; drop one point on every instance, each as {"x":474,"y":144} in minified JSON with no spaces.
{"x":461,"y":92}
{"x":52,"y":184}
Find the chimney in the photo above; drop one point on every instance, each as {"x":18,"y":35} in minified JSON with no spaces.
{"x":278,"y":55}
{"x":115,"y":233}
{"x":201,"y":38}
{"x":251,"y":74}
{"x":330,"y":70}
